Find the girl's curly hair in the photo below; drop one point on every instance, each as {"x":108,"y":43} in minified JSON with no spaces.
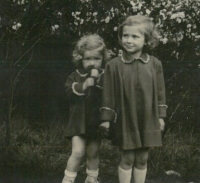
{"x":90,"y":42}
{"x":148,"y":29}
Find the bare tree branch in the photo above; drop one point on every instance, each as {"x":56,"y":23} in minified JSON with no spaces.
{"x":179,"y":104}
{"x":26,"y":52}
{"x":13,"y":88}
{"x":175,"y":75}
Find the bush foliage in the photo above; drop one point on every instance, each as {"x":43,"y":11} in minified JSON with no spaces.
{"x":177,"y":20}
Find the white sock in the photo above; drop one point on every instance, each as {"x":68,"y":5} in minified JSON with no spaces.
{"x":124,"y":175}
{"x":139,"y":176}
{"x":69,"y":176}
{"x":92,"y":175}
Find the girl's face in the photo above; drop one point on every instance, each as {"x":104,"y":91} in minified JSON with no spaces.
{"x":133,"y":40}
{"x":92,"y":59}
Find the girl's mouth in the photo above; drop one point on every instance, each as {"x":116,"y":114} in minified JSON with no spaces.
{"x":129,"y":47}
{"x":89,"y":68}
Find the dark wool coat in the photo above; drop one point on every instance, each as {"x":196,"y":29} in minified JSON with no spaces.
{"x":84,"y":114}
{"x":133,"y":101}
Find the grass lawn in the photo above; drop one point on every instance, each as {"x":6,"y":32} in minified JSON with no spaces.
{"x":42,"y":149}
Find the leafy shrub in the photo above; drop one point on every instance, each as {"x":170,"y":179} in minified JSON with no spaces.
{"x":177,"y":20}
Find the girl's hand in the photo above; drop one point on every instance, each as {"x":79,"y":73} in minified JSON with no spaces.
{"x":105,"y":124}
{"x":95,"y":74}
{"x":88,"y":83}
{"x":103,"y":130}
{"x":162,"y":124}
{"x":98,"y":80}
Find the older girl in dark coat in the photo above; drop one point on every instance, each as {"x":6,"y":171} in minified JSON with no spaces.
{"x":134,"y":98}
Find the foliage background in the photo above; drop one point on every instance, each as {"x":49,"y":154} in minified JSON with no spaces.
{"x":36,"y":41}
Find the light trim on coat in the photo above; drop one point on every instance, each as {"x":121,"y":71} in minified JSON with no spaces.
{"x":73,"y":89}
{"x":163,"y":105}
{"x":127,"y":62}
{"x":109,"y":109}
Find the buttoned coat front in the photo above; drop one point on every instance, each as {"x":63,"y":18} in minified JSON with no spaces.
{"x":133,"y":101}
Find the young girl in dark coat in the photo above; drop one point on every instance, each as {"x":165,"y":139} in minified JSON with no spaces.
{"x":84,"y":89}
{"x":133,"y":103}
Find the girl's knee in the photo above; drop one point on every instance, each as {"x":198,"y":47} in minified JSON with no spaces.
{"x":141,"y":158}
{"x":78,"y":153}
{"x":127,"y":158}
{"x":127,"y":161}
{"x":78,"y":147}
{"x":92,"y":154}
{"x":92,"y":149}
{"x":141,"y":161}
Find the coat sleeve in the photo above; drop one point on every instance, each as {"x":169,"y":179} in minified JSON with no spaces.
{"x":108,"y":109}
{"x":161,"y":91}
{"x":100,"y":83}
{"x":73,"y":88}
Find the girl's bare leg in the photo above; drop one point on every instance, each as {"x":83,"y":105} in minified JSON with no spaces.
{"x":78,"y":152}
{"x":92,"y":151}
{"x":140,"y":165}
{"x":125,"y":166}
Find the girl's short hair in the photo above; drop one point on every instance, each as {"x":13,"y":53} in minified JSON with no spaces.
{"x":89,"y":42}
{"x":150,"y":32}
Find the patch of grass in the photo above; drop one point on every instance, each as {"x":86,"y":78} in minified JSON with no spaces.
{"x":180,"y":152}
{"x":109,"y":158}
{"x":43,"y":148}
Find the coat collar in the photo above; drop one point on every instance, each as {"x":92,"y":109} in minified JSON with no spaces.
{"x":144,"y":58}
{"x":82,"y":73}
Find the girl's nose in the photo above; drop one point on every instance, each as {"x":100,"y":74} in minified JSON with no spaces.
{"x":129,"y":40}
{"x":92,"y":62}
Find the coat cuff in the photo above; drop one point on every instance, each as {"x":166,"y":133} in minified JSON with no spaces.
{"x":162,"y":111}
{"x":100,"y":87}
{"x":108,"y":114}
{"x":78,"y":88}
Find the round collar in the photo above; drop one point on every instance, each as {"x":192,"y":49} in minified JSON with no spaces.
{"x":84,"y":74}
{"x":144,"y":58}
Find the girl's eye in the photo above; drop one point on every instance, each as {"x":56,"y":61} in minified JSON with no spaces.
{"x":87,"y":59}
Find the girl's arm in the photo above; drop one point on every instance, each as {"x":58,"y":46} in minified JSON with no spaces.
{"x":99,"y":81}
{"x":77,"y":88}
{"x":73,"y":87}
{"x":161,"y":92}
{"x":108,"y":112}
{"x":161,"y":96}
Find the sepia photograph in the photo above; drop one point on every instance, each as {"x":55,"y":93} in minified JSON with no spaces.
{"x":100,"y":91}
